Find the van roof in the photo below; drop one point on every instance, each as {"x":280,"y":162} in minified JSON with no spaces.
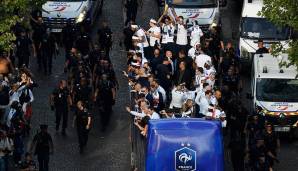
{"x":271,"y":63}
{"x":252,"y":9}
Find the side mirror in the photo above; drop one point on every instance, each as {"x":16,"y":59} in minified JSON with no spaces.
{"x":249,"y":96}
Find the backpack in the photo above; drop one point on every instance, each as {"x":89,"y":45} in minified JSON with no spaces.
{"x":25,"y":96}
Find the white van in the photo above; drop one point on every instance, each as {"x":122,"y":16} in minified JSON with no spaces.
{"x":203,"y":12}
{"x":275,"y":90}
{"x":56,"y":13}
{"x":254,"y":27}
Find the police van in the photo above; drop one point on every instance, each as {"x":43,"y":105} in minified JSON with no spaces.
{"x":202,"y":12}
{"x":254,"y":27}
{"x":56,"y":13}
{"x":275,"y":91}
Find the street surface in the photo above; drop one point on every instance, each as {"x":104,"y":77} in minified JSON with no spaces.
{"x":111,"y":151}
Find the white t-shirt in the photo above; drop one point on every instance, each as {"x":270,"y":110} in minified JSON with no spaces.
{"x":195,"y":35}
{"x":204,"y":105}
{"x":155,"y":116}
{"x":167,"y":33}
{"x":202,"y":59}
{"x":155,"y":30}
{"x":163,"y":93}
{"x":181,"y":35}
{"x":177,"y":98}
{"x":140,"y":33}
{"x":191,"y":52}
{"x":217,"y":114}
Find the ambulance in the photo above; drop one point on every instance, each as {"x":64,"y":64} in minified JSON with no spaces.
{"x":275,"y":90}
{"x":56,"y":13}
{"x":253,"y":27}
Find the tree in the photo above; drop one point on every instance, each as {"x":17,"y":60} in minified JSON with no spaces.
{"x":11,"y":13}
{"x":283,"y":13}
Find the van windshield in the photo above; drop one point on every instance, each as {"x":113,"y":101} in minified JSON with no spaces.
{"x":254,"y":28}
{"x":277,"y":90}
{"x":192,"y":2}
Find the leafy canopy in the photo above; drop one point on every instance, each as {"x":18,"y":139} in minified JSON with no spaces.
{"x":284,"y":13}
{"x":12,"y":12}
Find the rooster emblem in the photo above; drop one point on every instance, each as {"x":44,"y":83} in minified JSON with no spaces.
{"x":185,"y":158}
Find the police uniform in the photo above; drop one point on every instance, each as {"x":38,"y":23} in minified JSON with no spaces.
{"x":131,"y":10}
{"x":68,"y":38}
{"x":61,"y":106}
{"x":106,"y":101}
{"x":82,"y":43}
{"x":105,"y":39}
{"x":43,"y":148}
{"x":82,"y":93}
{"x":48,"y":48}
{"x":82,"y":122}
{"x":23,"y":44}
{"x":38,"y":34}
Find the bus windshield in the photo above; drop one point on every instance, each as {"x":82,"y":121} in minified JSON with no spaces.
{"x":277,"y":90}
{"x":255,"y":28}
{"x":192,"y":2}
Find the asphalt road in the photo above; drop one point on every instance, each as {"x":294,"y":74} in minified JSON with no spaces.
{"x":111,"y":151}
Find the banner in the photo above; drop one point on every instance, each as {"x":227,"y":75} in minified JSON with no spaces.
{"x":184,"y":145}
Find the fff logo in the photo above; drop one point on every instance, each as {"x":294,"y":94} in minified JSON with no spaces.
{"x":185,"y":159}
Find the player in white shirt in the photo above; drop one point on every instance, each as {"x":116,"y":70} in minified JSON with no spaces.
{"x":195,"y":35}
{"x":201,"y":59}
{"x":215,"y":113}
{"x":167,"y":31}
{"x":154,"y":37}
{"x":140,"y":33}
{"x":153,"y":33}
{"x":195,"y":51}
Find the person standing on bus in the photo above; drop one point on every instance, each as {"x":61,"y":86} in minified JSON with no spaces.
{"x":154,"y":36}
{"x":167,"y":31}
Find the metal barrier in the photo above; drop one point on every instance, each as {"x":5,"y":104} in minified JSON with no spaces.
{"x":138,"y":143}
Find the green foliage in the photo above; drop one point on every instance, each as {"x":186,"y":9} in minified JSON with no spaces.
{"x":283,"y":13}
{"x":11,"y":12}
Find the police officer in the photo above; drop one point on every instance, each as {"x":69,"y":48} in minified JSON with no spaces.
{"x":49,"y":47}
{"x":105,"y":38}
{"x":23,"y":43}
{"x":83,"y":42}
{"x":82,"y":119}
{"x":68,"y":37}
{"x":38,"y":34}
{"x":82,"y":92}
{"x":60,"y":100}
{"x":131,"y":10}
{"x":105,"y":95}
{"x":43,"y":144}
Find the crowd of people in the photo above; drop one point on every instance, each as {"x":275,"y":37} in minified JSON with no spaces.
{"x":173,"y":71}
{"x":179,"y":71}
